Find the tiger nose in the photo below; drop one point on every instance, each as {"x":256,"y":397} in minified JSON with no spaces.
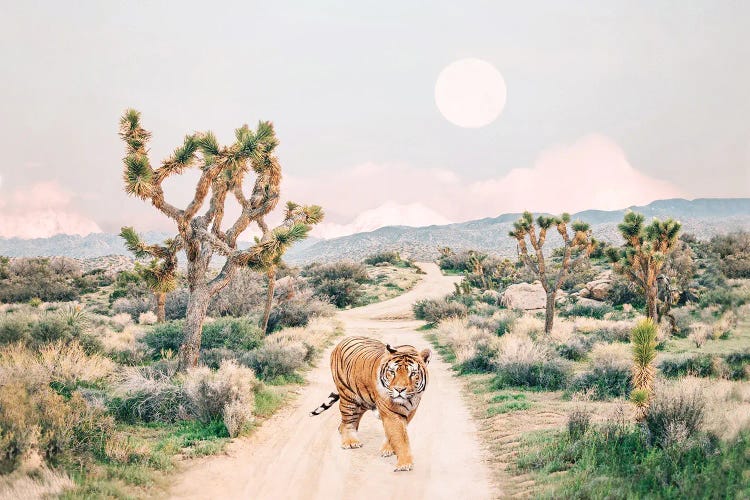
{"x":399,"y":389}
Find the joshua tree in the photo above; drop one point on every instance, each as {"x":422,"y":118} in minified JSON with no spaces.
{"x":223,"y":170}
{"x":582,"y":242}
{"x":643,"y":340}
{"x":160,"y":274}
{"x":644,"y":254}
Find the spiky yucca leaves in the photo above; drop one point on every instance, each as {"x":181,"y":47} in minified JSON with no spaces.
{"x":643,"y":342}
{"x":161,"y":273}
{"x":644,"y":254}
{"x":581,"y":242}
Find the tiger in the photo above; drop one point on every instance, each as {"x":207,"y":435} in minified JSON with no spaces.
{"x":371,"y":375}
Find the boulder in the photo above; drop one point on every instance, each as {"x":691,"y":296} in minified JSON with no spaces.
{"x":525,"y":296}
{"x":599,"y":288}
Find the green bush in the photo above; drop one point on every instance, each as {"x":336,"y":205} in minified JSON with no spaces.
{"x":548,"y":375}
{"x":576,"y":348}
{"x":591,"y":311}
{"x":297,"y":311}
{"x":236,"y":334}
{"x":606,"y":381}
{"x":700,"y":365}
{"x":388,"y":257}
{"x":15,"y":328}
{"x":339,"y":282}
{"x":279,"y":357}
{"x":435,"y":310}
{"x":675,"y":415}
{"x":617,"y":461}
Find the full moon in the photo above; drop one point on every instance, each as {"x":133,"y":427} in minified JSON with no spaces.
{"x":470,"y":93}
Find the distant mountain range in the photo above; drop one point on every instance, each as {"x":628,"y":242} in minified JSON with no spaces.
{"x":704,"y":217}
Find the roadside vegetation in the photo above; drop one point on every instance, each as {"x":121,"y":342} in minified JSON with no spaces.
{"x":604,"y":405}
{"x":92,"y":403}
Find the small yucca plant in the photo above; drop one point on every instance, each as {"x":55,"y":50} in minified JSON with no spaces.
{"x":643,"y":339}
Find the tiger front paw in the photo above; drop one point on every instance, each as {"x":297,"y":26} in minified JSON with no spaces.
{"x":403,"y":467}
{"x":386,"y":450}
{"x":350,"y":444}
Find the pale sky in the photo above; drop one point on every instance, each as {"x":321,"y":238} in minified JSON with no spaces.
{"x":609,"y":104}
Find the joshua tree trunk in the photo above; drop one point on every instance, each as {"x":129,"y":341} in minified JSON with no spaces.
{"x":196,"y":315}
{"x":271,"y":274}
{"x":161,"y":303}
{"x":651,"y":304}
{"x":549,"y":313}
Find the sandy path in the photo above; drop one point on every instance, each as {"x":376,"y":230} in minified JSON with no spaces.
{"x":295,"y":456}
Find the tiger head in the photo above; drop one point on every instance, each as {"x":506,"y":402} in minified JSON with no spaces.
{"x":403,"y":373}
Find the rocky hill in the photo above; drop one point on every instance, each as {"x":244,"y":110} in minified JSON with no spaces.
{"x":703,"y":217}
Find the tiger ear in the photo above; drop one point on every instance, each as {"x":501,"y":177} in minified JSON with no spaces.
{"x":426,"y":355}
{"x":390,"y":349}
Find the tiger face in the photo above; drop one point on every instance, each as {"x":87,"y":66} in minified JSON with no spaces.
{"x":403,"y":374}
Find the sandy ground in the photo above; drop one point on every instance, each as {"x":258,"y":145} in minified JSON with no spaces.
{"x":295,"y":456}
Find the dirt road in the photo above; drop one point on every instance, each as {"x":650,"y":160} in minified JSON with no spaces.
{"x":295,"y":456}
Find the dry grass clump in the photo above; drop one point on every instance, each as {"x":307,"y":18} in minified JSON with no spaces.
{"x":126,"y":449}
{"x":149,"y":395}
{"x":677,"y":413}
{"x":281,"y":355}
{"x":727,"y":405}
{"x":699,"y":334}
{"x":528,"y":325}
{"x":211,"y":391}
{"x":603,"y":329}
{"x":58,"y":362}
{"x":41,"y":482}
{"x":464,"y":340}
{"x":147,"y":318}
{"x":525,"y":363}
{"x":237,"y":416}
{"x":121,"y":320}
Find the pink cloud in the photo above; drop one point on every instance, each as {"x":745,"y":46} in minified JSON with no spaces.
{"x":40,"y":211}
{"x":591,"y":173}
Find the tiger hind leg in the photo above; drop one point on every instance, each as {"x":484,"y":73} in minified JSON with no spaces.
{"x":351,"y":414}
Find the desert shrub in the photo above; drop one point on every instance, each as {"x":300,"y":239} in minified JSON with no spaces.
{"x":211,"y":391}
{"x":523,"y":363}
{"x":603,"y":330}
{"x":700,"y":365}
{"x":579,"y":422}
{"x":576,"y":348}
{"x":15,"y":328}
{"x":175,"y":306}
{"x":54,"y":279}
{"x":472,"y":349}
{"x":618,"y":461}
{"x":675,"y":415}
{"x":603,"y":382}
{"x":297,"y":311}
{"x":498,"y":323}
{"x":237,"y":417}
{"x":40,"y":409}
{"x":231,"y":333}
{"x":134,"y":306}
{"x":588,"y":310}
{"x":339,"y":282}
{"x":579,"y":275}
{"x":243,"y":295}
{"x":700,"y":334}
{"x":236,"y":334}
{"x":733,"y":365}
{"x":147,"y":318}
{"x":435,"y":310}
{"x":725,"y":298}
{"x":146,"y":394}
{"x":483,"y":358}
{"x":213,"y":357}
{"x":624,"y":292}
{"x":391,"y":257}
{"x":279,"y":356}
